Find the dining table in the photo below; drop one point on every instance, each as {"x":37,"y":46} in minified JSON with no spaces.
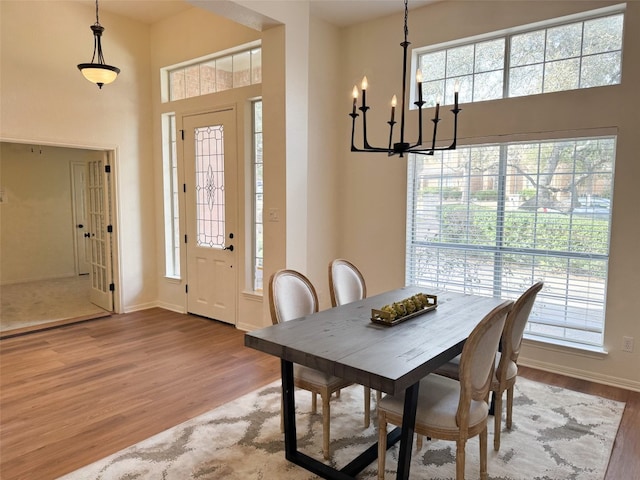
{"x":344,"y":341}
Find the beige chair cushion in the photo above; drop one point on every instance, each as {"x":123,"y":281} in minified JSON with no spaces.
{"x":437,"y":404}
{"x":347,"y":284}
{"x":450,"y":369}
{"x":316,"y":377}
{"x":295,"y":299}
{"x":512,"y":369}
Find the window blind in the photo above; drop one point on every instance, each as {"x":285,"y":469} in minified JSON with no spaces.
{"x":494,"y":219}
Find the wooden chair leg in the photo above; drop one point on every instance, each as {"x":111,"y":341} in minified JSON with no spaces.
{"x":367,"y":407}
{"x":460,"y":458}
{"x":314,"y":403}
{"x":483,"y":453}
{"x":497,"y":420}
{"x":382,"y":444}
{"x":509,"y":406}
{"x":419,"y":442}
{"x":326,"y":416}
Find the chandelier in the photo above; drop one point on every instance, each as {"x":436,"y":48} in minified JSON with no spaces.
{"x":99,"y":73}
{"x":402,"y":147}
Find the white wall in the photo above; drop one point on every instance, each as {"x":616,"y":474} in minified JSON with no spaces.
{"x":45,"y":100}
{"x":374,"y":188}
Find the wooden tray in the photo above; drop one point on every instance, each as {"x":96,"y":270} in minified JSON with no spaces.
{"x":383,"y":318}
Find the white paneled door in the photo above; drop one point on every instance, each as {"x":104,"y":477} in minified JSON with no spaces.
{"x":210,"y":165}
{"x":100,"y":234}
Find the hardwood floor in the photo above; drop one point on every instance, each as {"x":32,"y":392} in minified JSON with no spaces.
{"x":75,"y":394}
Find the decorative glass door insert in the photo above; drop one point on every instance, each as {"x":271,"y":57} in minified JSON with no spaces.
{"x":210,"y":188}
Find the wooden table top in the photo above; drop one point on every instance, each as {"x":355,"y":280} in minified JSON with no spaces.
{"x":345,"y":342}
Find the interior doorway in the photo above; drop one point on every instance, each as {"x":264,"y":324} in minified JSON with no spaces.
{"x":47,"y":193}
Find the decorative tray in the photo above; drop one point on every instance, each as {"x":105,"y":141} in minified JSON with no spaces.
{"x":398,"y":312}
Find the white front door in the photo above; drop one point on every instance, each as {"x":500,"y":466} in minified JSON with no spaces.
{"x":210,"y":163}
{"x":99,"y":235}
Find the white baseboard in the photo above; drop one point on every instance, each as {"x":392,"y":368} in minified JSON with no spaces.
{"x":582,"y":374}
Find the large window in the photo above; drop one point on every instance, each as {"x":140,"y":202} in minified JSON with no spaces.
{"x":493,"y":219}
{"x":563,"y":55}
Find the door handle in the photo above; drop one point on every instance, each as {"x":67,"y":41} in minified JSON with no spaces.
{"x":230,"y":248}
{"x":87,"y":235}
{"x":80,"y":225}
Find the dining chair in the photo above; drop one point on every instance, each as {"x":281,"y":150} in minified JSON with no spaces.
{"x":449,"y":409}
{"x":506,"y":370}
{"x":291,"y":296}
{"x":346,"y":285}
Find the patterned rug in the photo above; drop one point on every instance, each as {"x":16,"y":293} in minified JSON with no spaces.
{"x":557,"y":434}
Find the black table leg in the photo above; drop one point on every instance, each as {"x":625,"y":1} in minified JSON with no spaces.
{"x":408,"y":425}
{"x":289,"y":407}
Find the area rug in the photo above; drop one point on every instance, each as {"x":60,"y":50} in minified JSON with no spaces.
{"x":557,"y":434}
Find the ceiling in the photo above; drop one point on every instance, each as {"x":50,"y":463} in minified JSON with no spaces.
{"x":337,"y":12}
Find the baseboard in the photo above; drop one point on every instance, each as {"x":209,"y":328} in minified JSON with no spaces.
{"x":141,"y":306}
{"x":582,"y":374}
{"x":171,"y":307}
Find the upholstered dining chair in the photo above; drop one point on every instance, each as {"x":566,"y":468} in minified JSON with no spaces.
{"x":449,"y":409}
{"x":346,"y":285}
{"x":292,"y":295}
{"x":506,"y":370}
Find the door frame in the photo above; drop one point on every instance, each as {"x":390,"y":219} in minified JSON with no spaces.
{"x":111,"y":156}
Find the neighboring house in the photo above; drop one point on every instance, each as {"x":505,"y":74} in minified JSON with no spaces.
{"x":329,"y":202}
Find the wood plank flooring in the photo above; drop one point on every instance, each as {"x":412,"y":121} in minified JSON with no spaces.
{"x":75,"y":394}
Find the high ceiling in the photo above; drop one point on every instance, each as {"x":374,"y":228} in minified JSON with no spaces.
{"x":337,"y":12}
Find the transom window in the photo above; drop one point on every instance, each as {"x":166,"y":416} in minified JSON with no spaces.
{"x":494,"y":219}
{"x":213,"y":74}
{"x":564,"y":55}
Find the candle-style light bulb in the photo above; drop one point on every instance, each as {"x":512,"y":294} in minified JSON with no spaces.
{"x":364,"y":86}
{"x":394,"y":102}
{"x":437,"y":106}
{"x":419,"y":80}
{"x":354,"y":93}
{"x":456,"y":89}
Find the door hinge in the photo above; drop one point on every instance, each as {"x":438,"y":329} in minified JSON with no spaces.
{"x":107,"y":168}
{"x":185,"y":239}
{"x":109,"y":228}
{"x":182,"y":134}
{"x":186,"y":289}
{"x":112,"y":287}
{"x":184,"y":188}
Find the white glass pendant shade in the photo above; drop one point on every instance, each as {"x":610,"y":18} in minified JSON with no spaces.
{"x":98,"y":73}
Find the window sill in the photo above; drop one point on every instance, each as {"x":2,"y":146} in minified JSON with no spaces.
{"x":253,"y":295}
{"x":173,"y":279}
{"x":556,"y":345}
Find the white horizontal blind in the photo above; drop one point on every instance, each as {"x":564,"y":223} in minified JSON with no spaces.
{"x":494,"y":219}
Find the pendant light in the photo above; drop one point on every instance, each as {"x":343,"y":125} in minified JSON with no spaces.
{"x":99,"y":73}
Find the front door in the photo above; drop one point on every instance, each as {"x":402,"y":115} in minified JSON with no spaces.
{"x":210,"y":164}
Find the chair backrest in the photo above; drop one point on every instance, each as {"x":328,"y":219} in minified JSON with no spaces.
{"x":346,"y":283}
{"x":515,"y":325}
{"x":291,"y":295}
{"x":478,"y":359}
